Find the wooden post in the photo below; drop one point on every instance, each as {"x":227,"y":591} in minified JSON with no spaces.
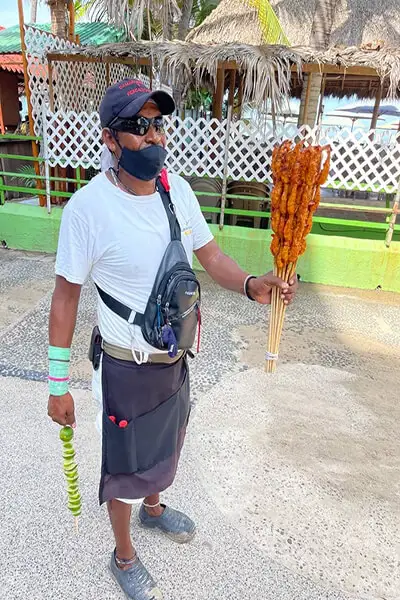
{"x":392,"y":221}
{"x":2,"y":127}
{"x":225,"y":173}
{"x":51,"y":89}
{"x":35,"y":149}
{"x":240,"y":98}
{"x":378,"y":99}
{"x":108,"y":74}
{"x":219,"y":95}
{"x":303,"y":117}
{"x":232,"y":85}
{"x":321,"y":100}
{"x":71,"y":24}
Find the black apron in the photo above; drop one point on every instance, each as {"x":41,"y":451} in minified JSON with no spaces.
{"x":153,"y":402}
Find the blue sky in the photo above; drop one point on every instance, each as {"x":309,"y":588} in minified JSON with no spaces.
{"x":9,"y":16}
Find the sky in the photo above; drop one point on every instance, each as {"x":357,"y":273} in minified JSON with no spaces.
{"x":9,"y":15}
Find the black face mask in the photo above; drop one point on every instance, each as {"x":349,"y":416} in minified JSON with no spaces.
{"x":145,"y":164}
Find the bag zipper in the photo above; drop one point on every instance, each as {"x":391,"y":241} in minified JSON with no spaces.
{"x":185,"y":313}
{"x":177,"y":280}
{"x":180,"y":266}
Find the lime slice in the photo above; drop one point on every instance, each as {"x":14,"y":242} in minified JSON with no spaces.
{"x":72,"y":480}
{"x":68,"y":453}
{"x":71,"y":474}
{"x":76,"y":512}
{"x":72,"y":488}
{"x":70,"y":465}
{"x":66,"y":434}
{"x":74,"y":497}
{"x":73,"y":506}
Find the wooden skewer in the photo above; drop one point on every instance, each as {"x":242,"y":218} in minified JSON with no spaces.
{"x":76,"y":520}
{"x":271,"y":338}
{"x":278,"y":311}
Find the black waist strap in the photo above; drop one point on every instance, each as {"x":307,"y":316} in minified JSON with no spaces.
{"x":119,"y":309}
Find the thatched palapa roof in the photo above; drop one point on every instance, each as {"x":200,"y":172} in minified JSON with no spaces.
{"x":231,"y":21}
{"x":186,"y":63}
{"x":373,"y":23}
{"x":355,"y":23}
{"x":265,"y":70}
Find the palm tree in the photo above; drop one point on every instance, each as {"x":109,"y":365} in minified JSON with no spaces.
{"x":170,"y":19}
{"x":59,"y":17}
{"x":133,"y":15}
{"x":320,"y":38}
{"x":34,"y":5}
{"x":184,"y":23}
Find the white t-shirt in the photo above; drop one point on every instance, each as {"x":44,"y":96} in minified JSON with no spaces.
{"x":119,"y":240}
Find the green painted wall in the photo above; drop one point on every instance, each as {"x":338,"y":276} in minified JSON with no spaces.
{"x":334,"y":260}
{"x":28,"y":227}
{"x":354,"y":229}
{"x":331,"y":260}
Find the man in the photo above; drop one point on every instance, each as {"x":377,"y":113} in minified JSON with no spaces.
{"x":118,"y":229}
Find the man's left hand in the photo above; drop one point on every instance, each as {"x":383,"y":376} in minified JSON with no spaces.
{"x":260,"y":288}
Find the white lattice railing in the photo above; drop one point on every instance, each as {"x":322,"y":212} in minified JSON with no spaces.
{"x":359,"y":160}
{"x":37,"y":44}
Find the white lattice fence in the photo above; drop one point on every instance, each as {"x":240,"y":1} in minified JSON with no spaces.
{"x":359,"y":160}
{"x":72,"y":139}
{"x":117,"y":72}
{"x":196,"y":147}
{"x":37,"y":44}
{"x":78,"y":86}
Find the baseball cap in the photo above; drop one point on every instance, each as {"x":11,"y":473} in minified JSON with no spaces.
{"x":127,"y":97}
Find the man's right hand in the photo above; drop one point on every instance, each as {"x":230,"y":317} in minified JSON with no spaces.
{"x":61,"y":409}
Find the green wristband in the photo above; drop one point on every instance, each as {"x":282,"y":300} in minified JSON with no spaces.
{"x":59,"y":362}
{"x":59,"y":353}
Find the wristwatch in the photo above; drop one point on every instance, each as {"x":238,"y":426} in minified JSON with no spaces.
{"x":246,"y":285}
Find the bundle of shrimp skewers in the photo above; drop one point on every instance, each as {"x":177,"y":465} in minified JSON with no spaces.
{"x":297,"y":174}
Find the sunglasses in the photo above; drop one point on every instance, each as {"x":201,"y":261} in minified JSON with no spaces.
{"x":138,"y":125}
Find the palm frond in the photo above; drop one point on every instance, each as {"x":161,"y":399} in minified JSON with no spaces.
{"x":132,"y":14}
{"x":272,"y":29}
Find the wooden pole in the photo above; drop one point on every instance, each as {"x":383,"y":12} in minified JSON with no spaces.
{"x":35,"y":149}
{"x":240,"y":98}
{"x":2,"y":127}
{"x":392,"y":221}
{"x":71,"y":25}
{"x":51,"y":89}
{"x":303,"y":117}
{"x":375,"y":114}
{"x":219,"y":95}
{"x":232,"y":85}
{"x":321,"y":100}
{"x":108,"y":74}
{"x":225,"y":173}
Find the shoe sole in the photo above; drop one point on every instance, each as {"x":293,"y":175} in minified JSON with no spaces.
{"x":158,"y":595}
{"x":178,"y":538}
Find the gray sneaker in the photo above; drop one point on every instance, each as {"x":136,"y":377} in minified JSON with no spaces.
{"x":136,"y":582}
{"x":174,"y":524}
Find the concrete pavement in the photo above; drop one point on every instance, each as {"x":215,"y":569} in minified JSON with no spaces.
{"x":293,"y":479}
